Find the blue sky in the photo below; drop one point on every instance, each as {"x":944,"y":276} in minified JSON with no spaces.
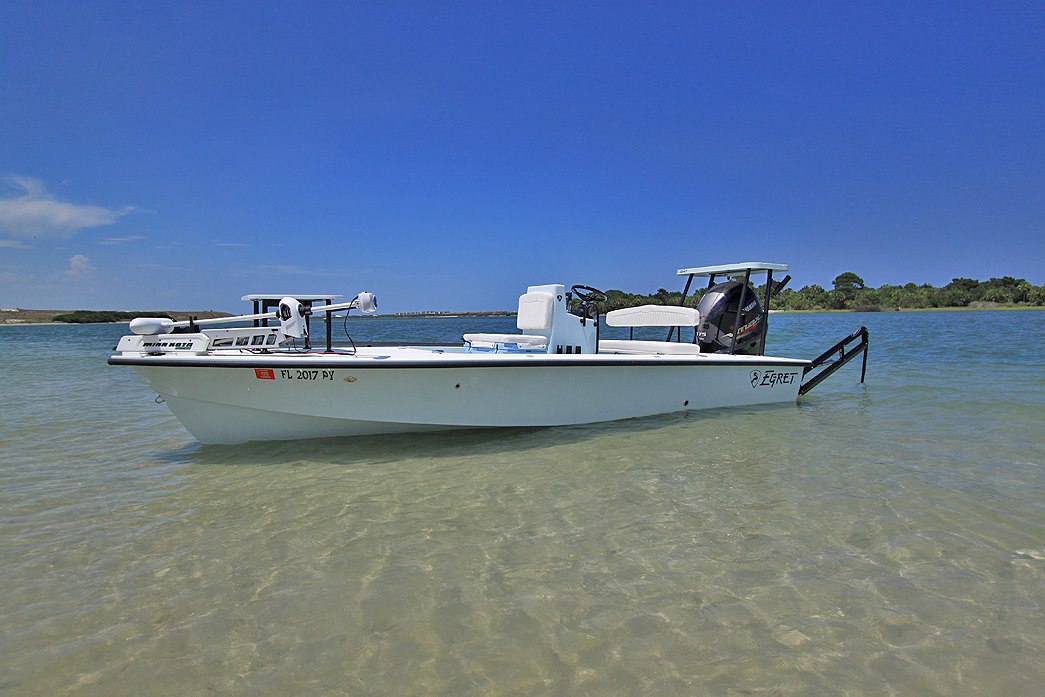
{"x":445,"y":155}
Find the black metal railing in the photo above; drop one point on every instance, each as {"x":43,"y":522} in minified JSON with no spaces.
{"x":835,"y":357}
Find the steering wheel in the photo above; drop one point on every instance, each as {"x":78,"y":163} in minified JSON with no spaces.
{"x":587,"y":294}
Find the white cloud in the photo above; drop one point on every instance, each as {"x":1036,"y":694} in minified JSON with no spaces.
{"x":13,"y":244}
{"x":80,"y":268}
{"x":11,"y":277}
{"x":120,"y":240}
{"x":32,"y":212}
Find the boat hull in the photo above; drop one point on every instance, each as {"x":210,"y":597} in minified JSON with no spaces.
{"x":274,"y":399}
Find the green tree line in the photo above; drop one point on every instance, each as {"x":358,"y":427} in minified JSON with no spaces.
{"x":99,"y":316}
{"x":849,"y":292}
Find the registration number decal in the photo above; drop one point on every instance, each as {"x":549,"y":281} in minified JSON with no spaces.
{"x":295,"y":374}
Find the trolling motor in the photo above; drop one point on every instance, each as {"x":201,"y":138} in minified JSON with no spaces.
{"x":292,"y":318}
{"x":292,"y":315}
{"x":365,"y":302}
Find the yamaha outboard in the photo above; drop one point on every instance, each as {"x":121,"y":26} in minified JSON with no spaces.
{"x":718,"y":319}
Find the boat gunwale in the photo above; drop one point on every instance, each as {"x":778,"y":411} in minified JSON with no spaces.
{"x":373,"y":362}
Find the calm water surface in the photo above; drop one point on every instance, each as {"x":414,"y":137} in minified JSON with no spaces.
{"x":878,"y":539}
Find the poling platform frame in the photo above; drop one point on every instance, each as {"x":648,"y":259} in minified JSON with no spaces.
{"x":842,"y":353}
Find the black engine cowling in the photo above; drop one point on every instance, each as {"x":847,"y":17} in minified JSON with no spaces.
{"x":718,"y":318}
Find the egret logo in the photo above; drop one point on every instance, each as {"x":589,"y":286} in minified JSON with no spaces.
{"x":771,"y":378}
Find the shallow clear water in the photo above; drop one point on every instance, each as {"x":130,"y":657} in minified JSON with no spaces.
{"x":879,"y":539}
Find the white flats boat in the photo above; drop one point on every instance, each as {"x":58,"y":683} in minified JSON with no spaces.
{"x":261,"y":382}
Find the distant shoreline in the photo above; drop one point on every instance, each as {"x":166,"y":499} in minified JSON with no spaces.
{"x":39,"y":318}
{"x":19,"y":322}
{"x":22,"y":317}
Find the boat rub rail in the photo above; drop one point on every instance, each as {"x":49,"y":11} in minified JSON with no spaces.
{"x":466,"y":361}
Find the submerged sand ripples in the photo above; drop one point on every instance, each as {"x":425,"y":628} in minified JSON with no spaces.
{"x":866,"y":542}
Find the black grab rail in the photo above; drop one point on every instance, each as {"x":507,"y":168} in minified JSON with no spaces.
{"x":842,"y":353}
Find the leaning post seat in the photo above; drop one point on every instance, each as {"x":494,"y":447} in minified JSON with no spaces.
{"x":650,"y":316}
{"x":645,"y":348}
{"x":653,"y":316}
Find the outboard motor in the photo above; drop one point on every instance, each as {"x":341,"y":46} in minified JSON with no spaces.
{"x":718,"y":319}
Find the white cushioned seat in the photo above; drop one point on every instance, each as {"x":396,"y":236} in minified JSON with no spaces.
{"x":535,"y":311}
{"x":653,"y":316}
{"x":667,"y":348}
{"x":521,"y":340}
